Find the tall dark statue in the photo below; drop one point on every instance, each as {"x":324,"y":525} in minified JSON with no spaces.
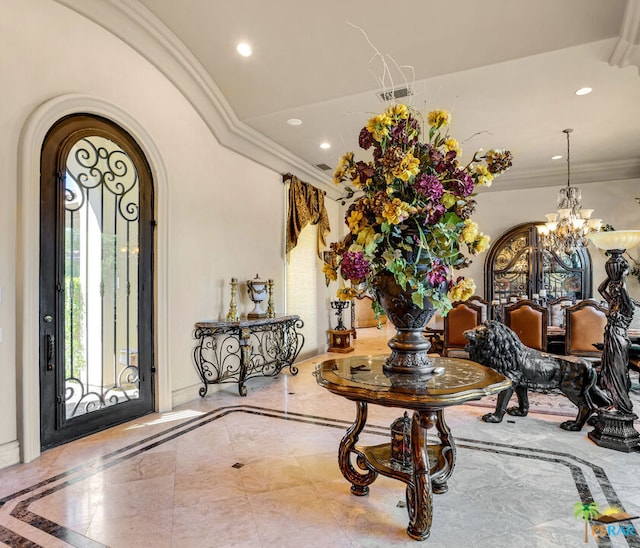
{"x":614,"y":376}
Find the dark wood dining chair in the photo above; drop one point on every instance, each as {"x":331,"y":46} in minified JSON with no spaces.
{"x":529,"y":321}
{"x":462,"y":316}
{"x":585,"y":322}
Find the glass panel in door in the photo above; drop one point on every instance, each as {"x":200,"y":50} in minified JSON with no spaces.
{"x":101,"y":247}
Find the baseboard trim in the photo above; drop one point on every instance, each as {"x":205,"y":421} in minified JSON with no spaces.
{"x":9,"y":454}
{"x":190,"y":393}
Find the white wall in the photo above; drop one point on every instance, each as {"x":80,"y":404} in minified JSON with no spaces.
{"x":224,"y":215}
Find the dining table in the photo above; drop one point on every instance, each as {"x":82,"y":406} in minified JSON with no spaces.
{"x":555,"y":332}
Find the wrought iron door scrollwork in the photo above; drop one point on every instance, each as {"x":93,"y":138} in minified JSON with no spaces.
{"x":237,"y":351}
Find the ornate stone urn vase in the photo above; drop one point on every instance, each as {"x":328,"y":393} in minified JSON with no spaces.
{"x":257,"y":290}
{"x":409,"y":347}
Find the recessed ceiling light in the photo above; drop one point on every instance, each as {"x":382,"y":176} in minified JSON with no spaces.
{"x":294,"y":122}
{"x":557,"y":157}
{"x":583,"y":91}
{"x":325,"y":145}
{"x":244,"y":49}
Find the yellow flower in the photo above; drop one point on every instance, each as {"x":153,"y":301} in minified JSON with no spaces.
{"x":469,"y":232}
{"x":482,"y":243}
{"x":462,"y":290}
{"x":355,"y":221}
{"x":484,"y":177}
{"x":452,"y":144}
{"x":400,"y":111}
{"x":439,"y":118}
{"x":366,"y":237}
{"x":329,"y":272}
{"x":448,"y":200}
{"x":410,"y":165}
{"x":344,"y":165}
{"x":346,"y":293}
{"x":396,"y":211}
{"x":378,"y":126}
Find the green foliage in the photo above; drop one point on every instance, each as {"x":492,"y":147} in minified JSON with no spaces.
{"x":74,"y":327}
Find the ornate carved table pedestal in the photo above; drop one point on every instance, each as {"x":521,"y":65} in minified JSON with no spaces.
{"x":362,"y":380}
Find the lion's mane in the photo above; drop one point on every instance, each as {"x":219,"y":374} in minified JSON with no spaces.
{"x":498,"y":347}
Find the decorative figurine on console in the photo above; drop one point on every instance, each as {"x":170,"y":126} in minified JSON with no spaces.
{"x":494,"y":345}
{"x":257,"y":290}
{"x":340,"y":337}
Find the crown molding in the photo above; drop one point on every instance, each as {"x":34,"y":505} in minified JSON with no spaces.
{"x":135,"y":25}
{"x":627,"y":50}
{"x":583,"y":174}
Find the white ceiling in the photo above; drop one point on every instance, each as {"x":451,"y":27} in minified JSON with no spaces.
{"x":508,"y":69}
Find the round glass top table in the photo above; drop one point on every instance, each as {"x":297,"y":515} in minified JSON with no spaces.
{"x":424,"y":468}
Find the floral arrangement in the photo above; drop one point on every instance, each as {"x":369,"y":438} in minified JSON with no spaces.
{"x":412,"y":207}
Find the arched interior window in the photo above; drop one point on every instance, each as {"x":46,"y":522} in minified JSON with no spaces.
{"x":517,"y":265}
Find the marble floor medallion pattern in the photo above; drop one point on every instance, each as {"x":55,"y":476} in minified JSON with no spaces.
{"x":262,"y":471}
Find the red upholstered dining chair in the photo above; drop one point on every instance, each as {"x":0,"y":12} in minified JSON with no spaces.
{"x":585,"y":322}
{"x":462,"y":316}
{"x":529,"y":322}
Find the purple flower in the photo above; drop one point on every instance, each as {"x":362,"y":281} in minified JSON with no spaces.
{"x":436,"y":158}
{"x":354,"y":266}
{"x":463,"y":185}
{"x":438,"y":273}
{"x":434,"y":212}
{"x":401,"y":131}
{"x":430,"y":187}
{"x":365,"y":140}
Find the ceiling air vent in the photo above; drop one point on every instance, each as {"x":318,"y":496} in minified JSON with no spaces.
{"x":397,"y":93}
{"x":323,"y":167}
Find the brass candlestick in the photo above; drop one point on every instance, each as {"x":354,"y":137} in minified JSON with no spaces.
{"x":232,"y":315}
{"x":271,"y":311}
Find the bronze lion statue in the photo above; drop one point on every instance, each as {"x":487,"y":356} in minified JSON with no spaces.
{"x":494,"y":345}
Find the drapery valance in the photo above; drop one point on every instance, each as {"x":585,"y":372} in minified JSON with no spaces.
{"x":306,"y":205}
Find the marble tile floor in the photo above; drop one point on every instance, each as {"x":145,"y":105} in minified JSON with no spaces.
{"x":262,"y":471}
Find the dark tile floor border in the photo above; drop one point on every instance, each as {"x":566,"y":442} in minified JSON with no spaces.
{"x":46,"y":487}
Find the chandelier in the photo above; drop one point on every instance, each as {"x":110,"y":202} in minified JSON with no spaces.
{"x":567,"y":229}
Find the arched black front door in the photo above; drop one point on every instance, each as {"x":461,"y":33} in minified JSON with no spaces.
{"x":96,"y":279}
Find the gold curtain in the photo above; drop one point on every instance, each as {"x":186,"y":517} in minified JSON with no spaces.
{"x":306,"y":205}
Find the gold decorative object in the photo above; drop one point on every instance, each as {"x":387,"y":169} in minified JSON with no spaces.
{"x":271,"y":311}
{"x":232,"y":315}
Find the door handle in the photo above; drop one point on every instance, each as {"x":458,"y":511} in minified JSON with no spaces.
{"x":51,"y":341}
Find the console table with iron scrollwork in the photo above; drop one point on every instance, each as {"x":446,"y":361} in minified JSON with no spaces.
{"x":236,"y":351}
